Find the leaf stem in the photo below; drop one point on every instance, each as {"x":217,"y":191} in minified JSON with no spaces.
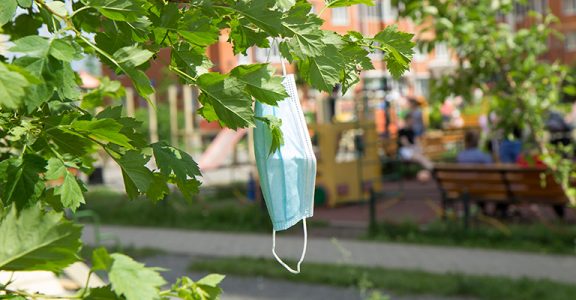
{"x":79,"y":10}
{"x":182,"y":73}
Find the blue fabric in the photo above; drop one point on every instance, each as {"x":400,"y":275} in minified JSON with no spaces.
{"x":473,"y":156}
{"x":418,"y":122}
{"x":509,"y":151}
{"x":287,"y":176}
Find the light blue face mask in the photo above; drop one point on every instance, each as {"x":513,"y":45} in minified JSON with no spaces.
{"x":287,"y":176}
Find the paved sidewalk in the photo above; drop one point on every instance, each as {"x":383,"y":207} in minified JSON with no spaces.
{"x":373,"y":254}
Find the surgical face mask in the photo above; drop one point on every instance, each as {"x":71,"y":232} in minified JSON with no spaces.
{"x":287,"y":176}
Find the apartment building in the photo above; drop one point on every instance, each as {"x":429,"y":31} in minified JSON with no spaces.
{"x":368,"y":20}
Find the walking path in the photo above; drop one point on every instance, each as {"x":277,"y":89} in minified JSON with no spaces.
{"x":262,"y":288}
{"x":372,"y":254}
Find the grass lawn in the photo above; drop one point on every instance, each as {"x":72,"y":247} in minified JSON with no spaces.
{"x":557,"y":239}
{"x":396,"y":281}
{"x":220,"y":209}
{"x":214,"y":209}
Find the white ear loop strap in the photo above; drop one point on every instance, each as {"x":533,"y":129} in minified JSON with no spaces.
{"x":303,"y":250}
{"x":275,"y":42}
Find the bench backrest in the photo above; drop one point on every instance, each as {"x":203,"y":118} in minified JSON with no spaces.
{"x":498,"y":182}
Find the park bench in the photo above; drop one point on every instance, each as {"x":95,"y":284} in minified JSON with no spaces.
{"x":495,"y":183}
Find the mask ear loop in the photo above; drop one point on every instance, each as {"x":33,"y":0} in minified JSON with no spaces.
{"x":275,"y":43}
{"x":303,"y":250}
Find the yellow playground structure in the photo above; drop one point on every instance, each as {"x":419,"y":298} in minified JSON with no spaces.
{"x":348,"y":163}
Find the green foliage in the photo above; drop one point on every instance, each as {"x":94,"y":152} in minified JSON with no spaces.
{"x":505,"y":63}
{"x":397,"y":281}
{"x":213,"y":209}
{"x":132,"y":279}
{"x":205,"y":288}
{"x":36,"y":240}
{"x":557,"y":239}
{"x":49,"y":131}
{"x":343,"y":3}
{"x":274,"y":124}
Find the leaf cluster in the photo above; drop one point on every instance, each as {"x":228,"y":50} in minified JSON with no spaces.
{"x":51,"y":129}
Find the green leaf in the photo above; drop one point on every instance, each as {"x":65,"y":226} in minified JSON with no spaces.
{"x":132,"y":56}
{"x":306,"y":40}
{"x":101,"y":260}
{"x":35,"y":240}
{"x":197,"y":29}
{"x":102,"y":293}
{"x":141,"y":82}
{"x":171,"y":160}
{"x":23,"y":184}
{"x":260,"y":14}
{"x":275,"y":128}
{"x":133,"y":280}
{"x":31,"y":45}
{"x":323,"y":72}
{"x":58,"y":7}
{"x":243,"y":36}
{"x":285,"y":4}
{"x":12,"y":87}
{"x":227,"y":97}
{"x":103,"y":130}
{"x":399,"y":49}
{"x":356,"y":60}
{"x":261,"y":82}
{"x":7,"y":10}
{"x":208,"y":286}
{"x":120,"y":10}
{"x":64,"y":79}
{"x":69,"y":142}
{"x":106,"y":89}
{"x":63,"y":50}
{"x":212,"y":280}
{"x":190,"y":59}
{"x":189,"y":187}
{"x":343,"y":3}
{"x":55,"y":169}
{"x":177,"y":163}
{"x":137,"y":177}
{"x":130,"y":125}
{"x":158,"y":190}
{"x":25,"y":3}
{"x":70,"y":192}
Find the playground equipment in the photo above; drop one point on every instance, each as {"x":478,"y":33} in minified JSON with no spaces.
{"x":348,"y":164}
{"x":221,"y":147}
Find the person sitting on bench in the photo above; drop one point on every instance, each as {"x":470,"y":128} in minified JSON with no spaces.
{"x":471,"y":154}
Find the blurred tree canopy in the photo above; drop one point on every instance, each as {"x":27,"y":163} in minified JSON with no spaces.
{"x":505,"y":62}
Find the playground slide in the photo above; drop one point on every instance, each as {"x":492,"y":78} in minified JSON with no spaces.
{"x":220,"y":148}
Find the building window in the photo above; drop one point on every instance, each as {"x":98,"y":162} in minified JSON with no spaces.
{"x":570,"y":41}
{"x":539,"y":6}
{"x":373,"y":12}
{"x":569,"y":7}
{"x":422,"y":87}
{"x":340,"y":16}
{"x":441,"y":51}
{"x":389,"y":12}
{"x":520,"y":10}
{"x":419,"y":54}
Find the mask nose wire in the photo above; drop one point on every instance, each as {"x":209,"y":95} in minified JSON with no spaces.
{"x":303,"y":250}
